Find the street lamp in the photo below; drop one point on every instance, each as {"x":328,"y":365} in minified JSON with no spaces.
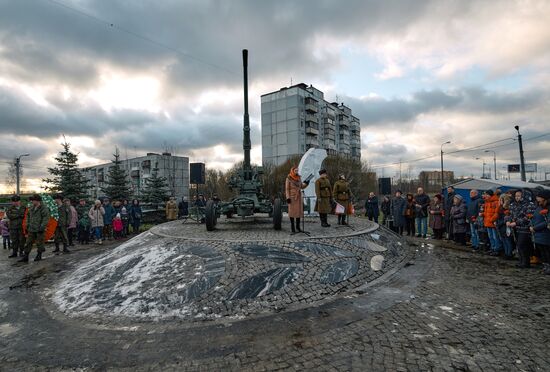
{"x":442,"y":181}
{"x":494,"y":161}
{"x":521,"y":157}
{"x":483,"y":173}
{"x":17,"y":171}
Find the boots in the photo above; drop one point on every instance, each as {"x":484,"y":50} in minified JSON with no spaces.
{"x":292,"y":225}
{"x":56,"y":250}
{"x":13,"y":253}
{"x":324,"y":221}
{"x":65,"y":250}
{"x":298,"y":225}
{"x":25,"y":258}
{"x":37,"y":258}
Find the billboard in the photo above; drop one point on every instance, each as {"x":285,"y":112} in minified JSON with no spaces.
{"x":516,"y":168}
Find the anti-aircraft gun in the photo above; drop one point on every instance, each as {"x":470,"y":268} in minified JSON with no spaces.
{"x":246,"y":183}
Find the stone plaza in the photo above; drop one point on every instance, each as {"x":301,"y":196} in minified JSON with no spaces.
{"x":247,"y":297}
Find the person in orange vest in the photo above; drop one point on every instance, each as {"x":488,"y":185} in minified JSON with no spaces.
{"x":490,"y":217}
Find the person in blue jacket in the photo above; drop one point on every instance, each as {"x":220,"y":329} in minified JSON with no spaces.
{"x":540,"y":228}
{"x":108,"y":219}
{"x":135,"y":216}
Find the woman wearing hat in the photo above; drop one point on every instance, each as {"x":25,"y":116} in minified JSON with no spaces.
{"x":540,"y":228}
{"x":437,"y":214}
{"x":341,"y":194}
{"x":293,"y":192}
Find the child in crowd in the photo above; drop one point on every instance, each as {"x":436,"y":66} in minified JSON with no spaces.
{"x":5,"y":229}
{"x":84,"y":229}
{"x":118,"y":226}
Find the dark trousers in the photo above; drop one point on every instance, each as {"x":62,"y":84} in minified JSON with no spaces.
{"x":544,"y":252}
{"x":409,"y":225}
{"x":525,"y":247}
{"x":438,"y":233}
{"x":449,"y":228}
{"x":83,"y":234}
{"x":135,"y":226}
{"x":17,"y":241}
{"x":6,"y":242}
{"x":460,"y":238}
{"x":35,"y":237}
{"x":70,"y":234}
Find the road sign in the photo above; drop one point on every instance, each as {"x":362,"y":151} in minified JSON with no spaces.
{"x":514,"y":168}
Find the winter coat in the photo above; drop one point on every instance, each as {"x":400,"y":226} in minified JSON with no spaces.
{"x":37,"y":218}
{"x":398,"y":211}
{"x":135,"y":213}
{"x":472,"y":212}
{"x":96,"y":216}
{"x":371,"y":208}
{"x":73,"y":220}
{"x":293,"y":191}
{"x":171,"y":210}
{"x":124,"y":215}
{"x":386,"y":207}
{"x":521,"y":213}
{"x":458,"y":216}
{"x":183,"y":208}
{"x":410,"y":210}
{"x":64,"y":216}
{"x":16,"y":215}
{"x":490,"y":211}
{"x":449,"y":205}
{"x":341,"y":193}
{"x":424,"y":201}
{"x":109,"y":214}
{"x":117,"y":225}
{"x":4,"y":227}
{"x":323,"y":191}
{"x":437,"y":216}
{"x":501,"y":223}
{"x":539,"y":222}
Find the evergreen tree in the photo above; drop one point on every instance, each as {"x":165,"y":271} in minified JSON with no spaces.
{"x":156,"y":189}
{"x":66,"y":178}
{"x":117,"y":186}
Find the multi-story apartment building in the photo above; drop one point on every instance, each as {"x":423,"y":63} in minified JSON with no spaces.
{"x":174,"y":168}
{"x":297,"y":118}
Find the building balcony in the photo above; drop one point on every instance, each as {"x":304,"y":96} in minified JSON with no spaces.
{"x":311,"y":108}
{"x":312,"y":140}
{"x":312,"y":118}
{"x":312,"y":130}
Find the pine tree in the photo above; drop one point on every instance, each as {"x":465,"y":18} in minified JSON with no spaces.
{"x":156,"y":189}
{"x":117,"y":186}
{"x":66,"y":178}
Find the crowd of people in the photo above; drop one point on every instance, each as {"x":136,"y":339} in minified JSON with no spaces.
{"x":493,"y":222}
{"x":26,"y":226}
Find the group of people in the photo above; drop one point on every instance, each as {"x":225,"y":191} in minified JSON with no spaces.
{"x":26,"y":226}
{"x":494,"y":222}
{"x":330,"y":198}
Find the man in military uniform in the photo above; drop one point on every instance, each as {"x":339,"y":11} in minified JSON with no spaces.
{"x":324,"y":195}
{"x":342,"y":195}
{"x":15,"y":214}
{"x":62,"y":223}
{"x":37,"y":219}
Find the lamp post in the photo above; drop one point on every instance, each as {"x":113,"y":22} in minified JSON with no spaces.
{"x":17,"y":171}
{"x":483,"y":172}
{"x":521,"y":157}
{"x":494,"y":161}
{"x":442,"y":179}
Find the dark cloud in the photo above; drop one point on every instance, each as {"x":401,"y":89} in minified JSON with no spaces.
{"x":381,"y":111}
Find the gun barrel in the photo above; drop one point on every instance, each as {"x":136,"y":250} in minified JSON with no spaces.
{"x":246,"y":125}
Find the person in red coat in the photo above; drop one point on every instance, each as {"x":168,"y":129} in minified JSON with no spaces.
{"x":490,"y":217}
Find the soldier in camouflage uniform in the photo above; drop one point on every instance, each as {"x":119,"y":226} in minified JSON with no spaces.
{"x":37,"y":220}
{"x":62,"y":223}
{"x":15,"y":214}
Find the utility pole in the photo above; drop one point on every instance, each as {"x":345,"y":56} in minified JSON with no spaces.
{"x":494,"y":161}
{"x":521,"y":157}
{"x":442,"y":178}
{"x":18,"y":171}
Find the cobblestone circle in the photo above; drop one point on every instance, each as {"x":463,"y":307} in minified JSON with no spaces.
{"x":443,"y":310}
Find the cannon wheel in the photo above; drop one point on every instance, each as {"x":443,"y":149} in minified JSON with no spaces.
{"x":210,"y":215}
{"x":277,"y":214}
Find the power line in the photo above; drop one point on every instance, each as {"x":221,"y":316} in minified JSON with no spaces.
{"x":139,"y":36}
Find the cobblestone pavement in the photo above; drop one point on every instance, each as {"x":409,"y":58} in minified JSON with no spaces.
{"x":444,"y":310}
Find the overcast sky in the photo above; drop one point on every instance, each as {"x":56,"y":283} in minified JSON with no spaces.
{"x":150,"y":75}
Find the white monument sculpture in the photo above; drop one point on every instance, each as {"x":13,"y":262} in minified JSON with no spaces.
{"x":309,"y":167}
